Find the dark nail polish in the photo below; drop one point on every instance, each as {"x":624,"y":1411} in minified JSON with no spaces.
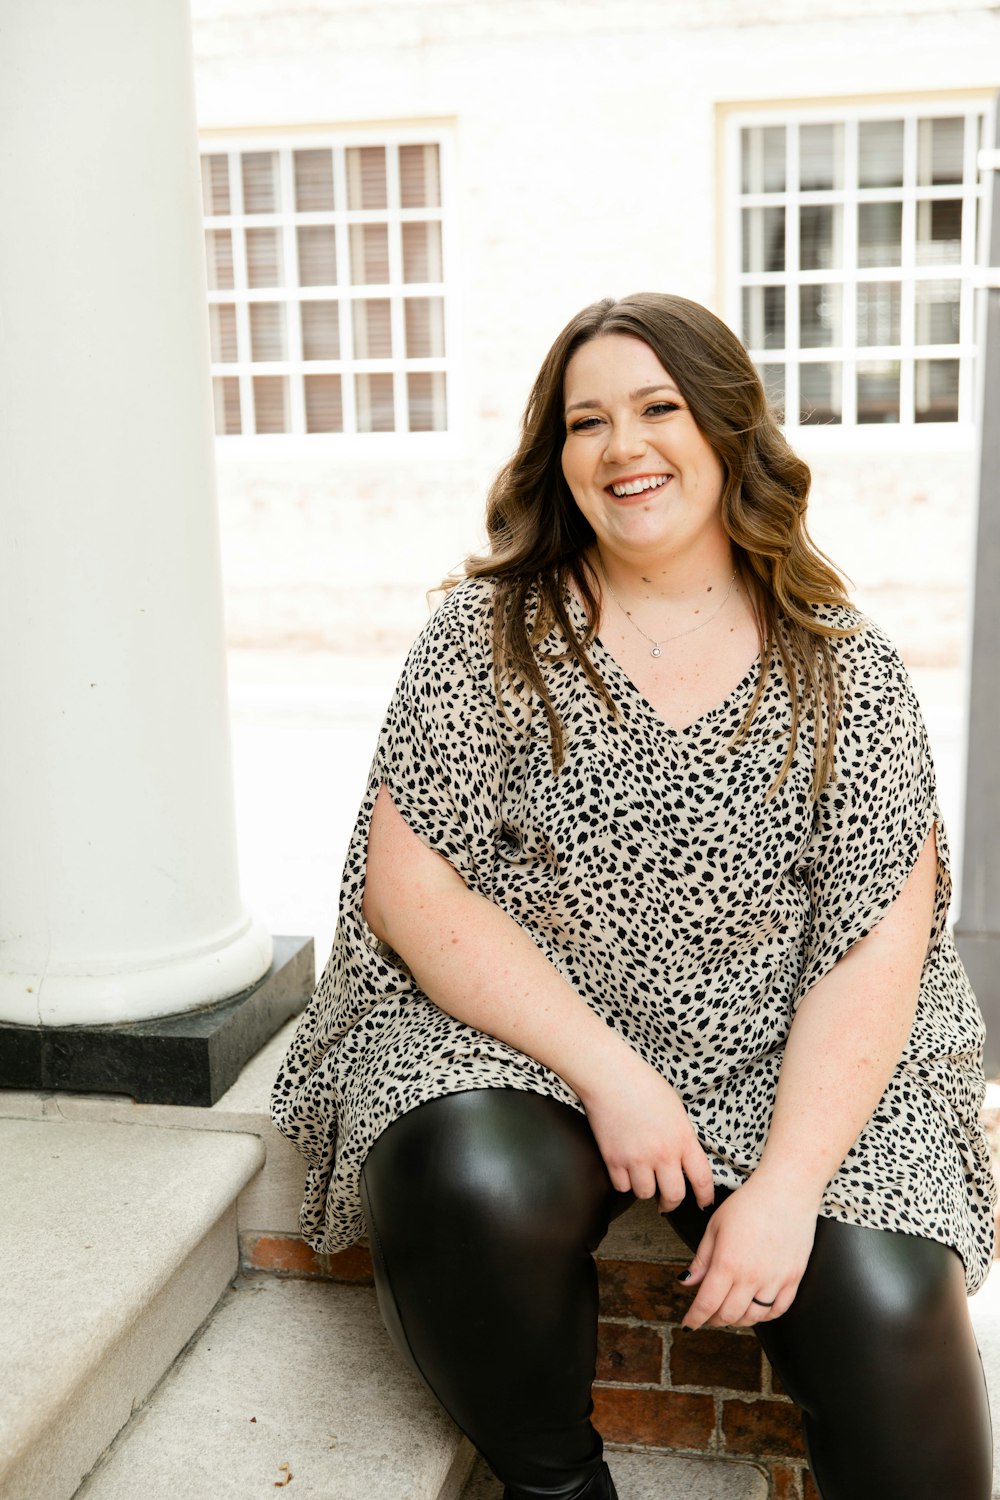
{"x":684,"y":1276}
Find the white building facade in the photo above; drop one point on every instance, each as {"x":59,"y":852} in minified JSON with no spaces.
{"x":405,"y":201}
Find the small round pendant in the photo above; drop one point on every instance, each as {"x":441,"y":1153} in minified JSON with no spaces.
{"x":656,"y":651}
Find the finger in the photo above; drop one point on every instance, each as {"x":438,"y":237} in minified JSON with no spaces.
{"x":620,"y":1180}
{"x":672,"y":1188}
{"x":643,"y":1181}
{"x":700,"y":1266}
{"x":699,"y":1174}
{"x":713,"y":1292}
{"x":783,"y":1300}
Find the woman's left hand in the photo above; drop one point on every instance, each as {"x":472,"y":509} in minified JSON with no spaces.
{"x":752,"y":1254}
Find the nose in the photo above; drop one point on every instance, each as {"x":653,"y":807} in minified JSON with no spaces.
{"x":625,"y":441}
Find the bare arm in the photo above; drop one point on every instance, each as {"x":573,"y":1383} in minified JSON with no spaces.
{"x":844,"y":1042}
{"x":476,"y":963}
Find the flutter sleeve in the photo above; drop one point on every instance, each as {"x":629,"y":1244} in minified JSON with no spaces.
{"x":443,"y":749}
{"x":872,"y":819}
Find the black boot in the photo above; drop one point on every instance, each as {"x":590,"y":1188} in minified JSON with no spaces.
{"x":600,"y":1486}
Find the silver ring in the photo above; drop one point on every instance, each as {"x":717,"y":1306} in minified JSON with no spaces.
{"x":762,"y":1304}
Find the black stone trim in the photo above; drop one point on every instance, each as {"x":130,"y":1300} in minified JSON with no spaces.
{"x":191,"y":1057}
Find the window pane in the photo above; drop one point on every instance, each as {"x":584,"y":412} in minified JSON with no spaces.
{"x":425,"y":394}
{"x":821,"y":157}
{"x":373,"y":395}
{"x":773,"y":381}
{"x":878,"y":391}
{"x":937,"y":312}
{"x":222,"y":332}
{"x":260,"y":182}
{"x":764,"y":159}
{"x":370,"y":254}
{"x":422,"y":252}
{"x":267,"y":330}
{"x":880,"y":153}
{"x":936,"y":390}
{"x":821,"y":237}
{"x":763,"y":239}
{"x":270,"y":401}
{"x":226,"y":398}
{"x":372,"y":329}
{"x":320,"y":331}
{"x":215,"y":184}
{"x":419,"y":177}
{"x":820,"y":315}
{"x":424,"y":327}
{"x":313,"y":181}
{"x":764,"y":317}
{"x":366,"y":177}
{"x":820,"y":399}
{"x":940,"y":151}
{"x":880,"y":234}
{"x":317,"y":255}
{"x":939,"y":232}
{"x":219,"y":259}
{"x":879,"y":304}
{"x":264,"y":257}
{"x":324,"y":406}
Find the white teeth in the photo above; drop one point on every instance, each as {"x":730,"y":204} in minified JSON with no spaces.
{"x":651,"y":482}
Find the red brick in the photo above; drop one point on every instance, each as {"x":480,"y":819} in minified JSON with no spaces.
{"x":809,"y":1490}
{"x":643,"y":1289}
{"x":762,"y":1428}
{"x":715,"y":1357}
{"x":288,"y":1255}
{"x":777,"y":1389}
{"x":629,"y":1354}
{"x":787,"y":1482}
{"x":658,"y":1419}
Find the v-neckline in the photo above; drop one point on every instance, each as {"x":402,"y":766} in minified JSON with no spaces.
{"x":748,"y":679}
{"x":739,"y":689}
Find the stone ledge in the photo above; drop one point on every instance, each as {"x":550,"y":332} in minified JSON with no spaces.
{"x":290,"y":1383}
{"x":118,"y":1244}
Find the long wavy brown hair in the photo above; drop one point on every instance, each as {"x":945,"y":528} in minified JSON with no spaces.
{"x":538,"y":537}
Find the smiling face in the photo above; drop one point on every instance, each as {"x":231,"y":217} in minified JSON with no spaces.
{"x":637,"y":465}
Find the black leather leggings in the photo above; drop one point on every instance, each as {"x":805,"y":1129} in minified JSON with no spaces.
{"x":483,"y":1211}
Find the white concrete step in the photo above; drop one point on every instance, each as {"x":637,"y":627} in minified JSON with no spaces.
{"x":290,"y":1384}
{"x":118,"y":1243}
{"x":655,"y":1476}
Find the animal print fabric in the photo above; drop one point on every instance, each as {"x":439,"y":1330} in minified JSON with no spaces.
{"x":685,"y":908}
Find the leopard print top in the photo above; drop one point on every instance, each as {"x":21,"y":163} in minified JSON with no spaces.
{"x":685,"y":908}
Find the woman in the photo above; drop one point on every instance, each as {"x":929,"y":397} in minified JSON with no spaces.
{"x":647,"y":899}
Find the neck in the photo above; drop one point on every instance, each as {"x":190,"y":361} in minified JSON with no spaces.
{"x":671,"y":581}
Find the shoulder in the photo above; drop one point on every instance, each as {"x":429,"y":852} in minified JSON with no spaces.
{"x":863,"y":653}
{"x":453,"y":651}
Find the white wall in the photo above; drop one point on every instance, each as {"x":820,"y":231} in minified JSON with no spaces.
{"x":586,"y":140}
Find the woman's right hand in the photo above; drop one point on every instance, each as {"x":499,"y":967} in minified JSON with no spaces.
{"x":645,"y":1135}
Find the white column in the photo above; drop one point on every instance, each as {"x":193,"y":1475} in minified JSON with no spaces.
{"x":119,"y":892}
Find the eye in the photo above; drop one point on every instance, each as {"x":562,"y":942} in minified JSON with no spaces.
{"x":584,"y":424}
{"x":658,"y":408}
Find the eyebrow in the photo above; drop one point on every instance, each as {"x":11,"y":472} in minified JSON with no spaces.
{"x":637,"y":395}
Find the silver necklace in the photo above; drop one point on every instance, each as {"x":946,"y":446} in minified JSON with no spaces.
{"x":665,"y":640}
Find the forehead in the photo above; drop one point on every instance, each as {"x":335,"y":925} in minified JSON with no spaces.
{"x":613,"y":362}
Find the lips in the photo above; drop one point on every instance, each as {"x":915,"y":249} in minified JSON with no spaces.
{"x":642,"y":484}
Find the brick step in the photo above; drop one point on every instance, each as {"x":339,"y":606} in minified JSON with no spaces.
{"x":655,"y":1476}
{"x":290,"y":1384}
{"x":118,"y":1243}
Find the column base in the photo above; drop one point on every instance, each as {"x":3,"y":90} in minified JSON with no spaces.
{"x":189,"y":1058}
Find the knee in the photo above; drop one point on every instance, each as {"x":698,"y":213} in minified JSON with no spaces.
{"x":493,"y":1165}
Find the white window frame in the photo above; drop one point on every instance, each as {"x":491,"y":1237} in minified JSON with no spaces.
{"x":889,"y":436}
{"x":298,"y":442}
